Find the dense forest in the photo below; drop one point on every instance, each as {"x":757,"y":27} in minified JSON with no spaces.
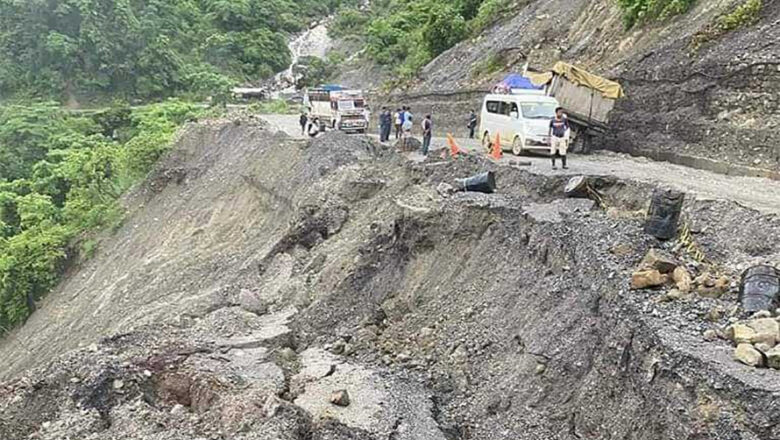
{"x":90,"y":49}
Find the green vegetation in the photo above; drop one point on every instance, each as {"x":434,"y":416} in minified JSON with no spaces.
{"x":641,"y":11}
{"x":407,"y":34}
{"x":61,"y":175}
{"x":276,"y":106}
{"x":87,"y":50}
{"x":746,"y":14}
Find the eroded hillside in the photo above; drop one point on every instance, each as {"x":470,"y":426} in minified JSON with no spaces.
{"x":259,"y":276}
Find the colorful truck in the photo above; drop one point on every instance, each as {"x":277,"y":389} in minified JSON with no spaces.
{"x":337,"y":108}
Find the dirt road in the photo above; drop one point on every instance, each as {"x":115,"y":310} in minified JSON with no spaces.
{"x":760,"y":194}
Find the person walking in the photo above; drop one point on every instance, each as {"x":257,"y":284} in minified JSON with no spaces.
{"x":398,"y":121}
{"x":472,"y":124}
{"x":559,"y":137}
{"x":304,"y":120}
{"x":427,"y":128}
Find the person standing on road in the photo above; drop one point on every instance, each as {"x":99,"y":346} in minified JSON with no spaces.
{"x":427,"y":128}
{"x":385,"y":120}
{"x":472,"y":124}
{"x":559,"y":137}
{"x":304,"y":120}
{"x":398,"y":121}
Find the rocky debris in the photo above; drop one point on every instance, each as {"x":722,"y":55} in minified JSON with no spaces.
{"x":773,"y":358}
{"x":340,"y":398}
{"x":710,"y":287}
{"x":644,"y":279}
{"x":273,"y":330}
{"x":748,"y":355}
{"x":659,"y":260}
{"x":682,"y":279}
{"x":252,"y":302}
{"x":379,"y":405}
{"x":408,"y":144}
{"x":767,"y":330}
{"x":740,"y":333}
{"x":459,"y":311}
{"x":558,"y":210}
{"x":759,"y":334}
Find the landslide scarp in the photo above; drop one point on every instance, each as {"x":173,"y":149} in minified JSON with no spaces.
{"x":235,"y":300}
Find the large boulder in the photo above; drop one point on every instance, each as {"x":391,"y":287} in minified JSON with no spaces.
{"x":748,"y":355}
{"x":658,"y":260}
{"x":644,"y":279}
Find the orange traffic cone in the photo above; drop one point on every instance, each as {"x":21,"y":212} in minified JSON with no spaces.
{"x":454,"y":149}
{"x":497,"y":152}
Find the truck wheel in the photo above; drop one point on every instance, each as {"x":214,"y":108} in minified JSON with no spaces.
{"x":363,"y":131}
{"x":517,"y":146}
{"x":486,"y":144}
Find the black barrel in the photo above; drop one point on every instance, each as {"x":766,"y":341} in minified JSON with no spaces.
{"x":484,"y":183}
{"x":759,"y":288}
{"x":664,"y":214}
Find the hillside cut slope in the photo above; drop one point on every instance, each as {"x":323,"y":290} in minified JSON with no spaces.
{"x":692,"y":92}
{"x":270,"y":288}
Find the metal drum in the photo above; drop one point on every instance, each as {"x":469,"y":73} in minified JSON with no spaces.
{"x":759,"y":288}
{"x":484,"y":183}
{"x":664,"y":214}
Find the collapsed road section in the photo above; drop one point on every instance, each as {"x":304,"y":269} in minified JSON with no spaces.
{"x":265,"y":287}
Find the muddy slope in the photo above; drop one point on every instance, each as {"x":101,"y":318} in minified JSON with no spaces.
{"x":315,"y":267}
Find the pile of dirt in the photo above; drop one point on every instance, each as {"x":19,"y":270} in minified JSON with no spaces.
{"x":325,"y":289}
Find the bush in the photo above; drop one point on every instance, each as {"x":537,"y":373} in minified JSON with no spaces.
{"x":639,"y":11}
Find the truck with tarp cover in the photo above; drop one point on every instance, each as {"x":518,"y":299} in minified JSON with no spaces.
{"x":337,"y":108}
{"x":587,"y":99}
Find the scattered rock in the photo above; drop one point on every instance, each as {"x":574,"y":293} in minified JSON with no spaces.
{"x":682,"y":279}
{"x":763,"y":348}
{"x":445,"y":189}
{"x":648,"y":278}
{"x":621,"y":250}
{"x":541,"y":368}
{"x":177,"y":409}
{"x":710,"y":287}
{"x":740,"y":333}
{"x":338,"y":347}
{"x":118,"y":384}
{"x":767,"y":331}
{"x":658,"y":260}
{"x":252,"y":302}
{"x":748,"y":355}
{"x":340,"y":398}
{"x":761,"y":314}
{"x":773,"y":358}
{"x":710,"y":335}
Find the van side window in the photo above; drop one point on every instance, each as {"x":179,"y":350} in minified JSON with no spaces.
{"x":493,"y":107}
{"x":513,"y":109}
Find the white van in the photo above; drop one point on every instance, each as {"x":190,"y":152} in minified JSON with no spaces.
{"x":522,"y":119}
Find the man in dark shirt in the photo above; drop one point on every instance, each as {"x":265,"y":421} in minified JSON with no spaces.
{"x":472,"y":124}
{"x":385,"y":120}
{"x":303,"y":121}
{"x":559,"y":139}
{"x":427,"y":127}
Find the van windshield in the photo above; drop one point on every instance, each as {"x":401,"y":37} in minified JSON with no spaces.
{"x":538,"y":110}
